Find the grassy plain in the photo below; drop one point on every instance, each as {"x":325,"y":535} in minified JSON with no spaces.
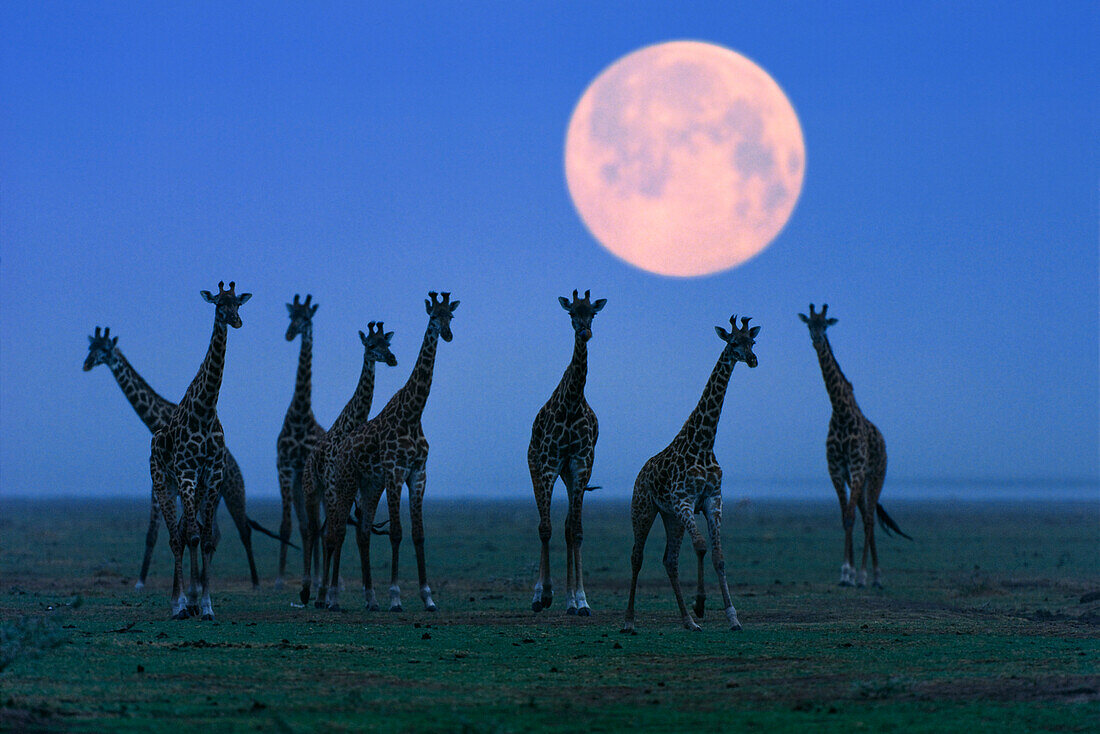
{"x":989,"y":619}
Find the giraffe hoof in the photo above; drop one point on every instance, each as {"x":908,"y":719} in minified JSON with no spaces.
{"x":431,"y":608}
{"x":691,"y":626}
{"x":547,"y":601}
{"x":584,"y":612}
{"x":193,"y":610}
{"x":372,"y":607}
{"x":208,"y":617}
{"x":877,"y":584}
{"x":536,"y":606}
{"x":700,"y":606}
{"x":571,"y":611}
{"x":397,"y":608}
{"x":304,"y":596}
{"x":846,"y":582}
{"x":182,"y":614}
{"x":333,"y":607}
{"x":139,"y":585}
{"x":735,"y":627}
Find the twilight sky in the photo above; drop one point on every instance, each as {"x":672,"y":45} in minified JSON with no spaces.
{"x":949,"y":217}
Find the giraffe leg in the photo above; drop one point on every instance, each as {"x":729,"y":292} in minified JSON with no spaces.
{"x":868,"y":533}
{"x":847,"y":572}
{"x":642,"y":514}
{"x":150,"y":541}
{"x":393,"y":501}
{"x":700,"y":606}
{"x":544,"y":590}
{"x":332,"y":599}
{"x":368,"y":506}
{"x":311,"y":489}
{"x":166,"y":501}
{"x":874,"y":489}
{"x":713,"y":512}
{"x":336,"y":514}
{"x":855,"y":500}
{"x":416,"y":482}
{"x":286,"y":494}
{"x":570,"y":543}
{"x":210,"y":536}
{"x":188,"y":489}
{"x":674,"y":536}
{"x":686,"y":513}
{"x":298,"y":494}
{"x":581,"y":473}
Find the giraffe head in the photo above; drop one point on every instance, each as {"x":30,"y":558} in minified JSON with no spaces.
{"x":101,"y":349}
{"x":581,"y":311}
{"x":739,"y":341}
{"x":301,"y":317}
{"x":817,"y":323}
{"x":377,"y":344}
{"x":440,"y":311}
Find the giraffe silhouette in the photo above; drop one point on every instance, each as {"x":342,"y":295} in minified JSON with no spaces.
{"x":301,"y":431}
{"x":856,"y":454}
{"x":154,"y":411}
{"x":187,"y":457}
{"x":563,"y":443}
{"x":383,"y":454}
{"x":685,"y":479}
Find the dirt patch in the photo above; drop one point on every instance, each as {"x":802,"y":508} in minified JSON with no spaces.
{"x":1058,"y":688}
{"x":13,"y":718}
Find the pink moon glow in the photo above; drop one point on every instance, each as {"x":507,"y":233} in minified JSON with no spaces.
{"x":684,"y":158}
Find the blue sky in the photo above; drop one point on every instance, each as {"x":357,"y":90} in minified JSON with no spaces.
{"x":366,"y":155}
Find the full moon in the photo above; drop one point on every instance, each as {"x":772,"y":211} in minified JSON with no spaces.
{"x":684,"y":158}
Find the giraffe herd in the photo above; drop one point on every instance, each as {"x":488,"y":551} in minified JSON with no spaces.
{"x":359,"y":458}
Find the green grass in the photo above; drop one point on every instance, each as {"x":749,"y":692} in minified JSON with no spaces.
{"x":981,"y":624}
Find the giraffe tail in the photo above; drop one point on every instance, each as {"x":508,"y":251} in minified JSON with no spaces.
{"x":592,"y":488}
{"x":888,"y":523}
{"x":257,"y":526}
{"x":356,"y":520}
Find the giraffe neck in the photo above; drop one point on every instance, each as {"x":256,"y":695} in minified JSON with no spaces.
{"x":202,"y":395}
{"x":356,"y":412}
{"x":153,"y":410}
{"x":570,"y":390}
{"x":302,"y":402}
{"x":701,"y":426}
{"x":411,"y":399}
{"x":836,"y":384}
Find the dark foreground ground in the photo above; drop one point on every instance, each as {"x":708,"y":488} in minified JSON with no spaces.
{"x":989,"y":619}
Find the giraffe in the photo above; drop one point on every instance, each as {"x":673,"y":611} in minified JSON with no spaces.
{"x":376,"y":348}
{"x":187,"y":456}
{"x":685,"y":479}
{"x":856,"y":453}
{"x":301,"y":431}
{"x":154,"y":411}
{"x":563,"y":443}
{"x":382,"y":454}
